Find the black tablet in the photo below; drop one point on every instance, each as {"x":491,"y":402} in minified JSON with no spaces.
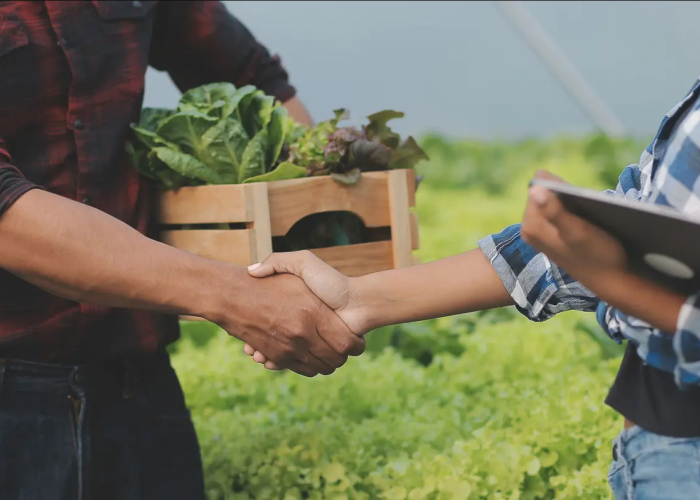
{"x":662,"y":244}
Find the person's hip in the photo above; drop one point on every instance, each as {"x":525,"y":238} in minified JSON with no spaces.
{"x":648,"y":466}
{"x":110,"y":430}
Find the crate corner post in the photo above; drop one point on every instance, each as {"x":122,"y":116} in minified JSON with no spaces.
{"x":399,"y":204}
{"x":261,"y":244}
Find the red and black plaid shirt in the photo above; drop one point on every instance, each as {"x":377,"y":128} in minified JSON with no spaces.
{"x":71,"y":81}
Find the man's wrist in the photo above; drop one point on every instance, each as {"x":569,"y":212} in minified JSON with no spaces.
{"x":217,"y":288}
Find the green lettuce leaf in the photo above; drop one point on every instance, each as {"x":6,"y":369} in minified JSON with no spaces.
{"x":284,"y":171}
{"x":369,"y":156}
{"x":187,"y":129}
{"x":187,"y":165}
{"x":138,"y":158}
{"x":275,"y":134}
{"x":378,"y":130}
{"x":254,"y":112}
{"x":224,"y":146}
{"x":151,"y":118}
{"x":208,"y":99}
{"x":407,"y":155}
{"x":347,"y":178}
{"x":254,"y":157}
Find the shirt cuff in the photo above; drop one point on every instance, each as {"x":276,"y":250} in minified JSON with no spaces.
{"x":538,"y":287}
{"x":12,"y":186}
{"x":686,"y":344}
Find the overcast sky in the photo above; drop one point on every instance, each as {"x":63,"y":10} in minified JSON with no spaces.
{"x":459,"y":68}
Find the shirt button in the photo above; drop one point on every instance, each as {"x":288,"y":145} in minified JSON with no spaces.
{"x":63,"y":42}
{"x":86,"y":200}
{"x":78,"y":125}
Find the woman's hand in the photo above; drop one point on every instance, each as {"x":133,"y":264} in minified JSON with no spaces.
{"x":575,"y":245}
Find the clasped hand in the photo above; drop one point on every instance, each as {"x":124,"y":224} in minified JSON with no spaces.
{"x":333,"y":288}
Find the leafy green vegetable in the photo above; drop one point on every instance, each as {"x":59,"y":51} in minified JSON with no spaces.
{"x":378,"y":130}
{"x":224,"y":146}
{"x":217,"y":135}
{"x":254,"y":157}
{"x":186,"y":165}
{"x":349,"y":178}
{"x":275,"y":134}
{"x":407,"y":155}
{"x":283,"y":171}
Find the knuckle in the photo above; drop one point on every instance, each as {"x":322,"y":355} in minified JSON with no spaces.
{"x":345,"y":346}
{"x":305,"y":254}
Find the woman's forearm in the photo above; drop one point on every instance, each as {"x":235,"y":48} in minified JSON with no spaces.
{"x":454,"y":285}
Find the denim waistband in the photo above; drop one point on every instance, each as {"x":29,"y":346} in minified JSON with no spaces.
{"x":635,"y":440}
{"x":123,"y":373}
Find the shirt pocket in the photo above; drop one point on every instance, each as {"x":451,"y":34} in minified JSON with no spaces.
{"x":12,"y":34}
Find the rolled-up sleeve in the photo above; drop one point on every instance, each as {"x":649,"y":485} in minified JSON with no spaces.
{"x":13,"y":184}
{"x":201,"y":42}
{"x":539,"y":288}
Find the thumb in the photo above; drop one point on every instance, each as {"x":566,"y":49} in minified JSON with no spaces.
{"x":278,"y":263}
{"x":326,"y":283}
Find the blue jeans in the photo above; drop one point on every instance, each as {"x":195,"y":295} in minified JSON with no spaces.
{"x":109,"y":431}
{"x":647,"y":466}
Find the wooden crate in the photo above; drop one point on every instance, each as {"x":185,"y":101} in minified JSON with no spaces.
{"x":380,"y":199}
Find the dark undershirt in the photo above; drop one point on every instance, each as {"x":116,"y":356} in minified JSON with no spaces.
{"x":651,"y":399}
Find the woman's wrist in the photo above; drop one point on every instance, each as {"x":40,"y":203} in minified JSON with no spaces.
{"x":637,"y":297}
{"x":358,"y":308}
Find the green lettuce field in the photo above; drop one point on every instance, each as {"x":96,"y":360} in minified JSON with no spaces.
{"x":480,"y":406}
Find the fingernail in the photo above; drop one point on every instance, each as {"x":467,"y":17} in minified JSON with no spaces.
{"x":539,"y":195}
{"x":254,"y":266}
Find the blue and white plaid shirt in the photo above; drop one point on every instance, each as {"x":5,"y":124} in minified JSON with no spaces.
{"x":668,"y":174}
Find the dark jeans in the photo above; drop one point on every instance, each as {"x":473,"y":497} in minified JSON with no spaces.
{"x":109,"y":431}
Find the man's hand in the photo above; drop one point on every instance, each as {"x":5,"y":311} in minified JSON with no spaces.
{"x":575,"y":245}
{"x":280,"y":317}
{"x":329,"y":285}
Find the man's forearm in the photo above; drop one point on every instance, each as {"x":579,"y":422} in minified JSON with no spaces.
{"x":459,"y":284}
{"x":85,"y":255}
{"x":298,"y":112}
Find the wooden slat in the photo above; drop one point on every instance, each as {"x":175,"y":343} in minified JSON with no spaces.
{"x":358,"y":260}
{"x":232,"y":246}
{"x":292,"y":200}
{"x":206,"y":204}
{"x":262,"y":242}
{"x":411,"y":180}
{"x":415,"y":235}
{"x":400,"y":222}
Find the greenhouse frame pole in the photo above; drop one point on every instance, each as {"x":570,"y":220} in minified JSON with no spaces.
{"x":556,"y":61}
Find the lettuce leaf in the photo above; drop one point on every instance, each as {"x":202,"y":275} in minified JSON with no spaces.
{"x":275,"y":134}
{"x":224,"y":146}
{"x":254,"y":157}
{"x":284,"y":171}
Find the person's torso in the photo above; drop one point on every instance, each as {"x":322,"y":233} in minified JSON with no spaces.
{"x":72,"y":79}
{"x":647,"y":395}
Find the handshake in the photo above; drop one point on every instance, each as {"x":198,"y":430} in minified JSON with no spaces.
{"x":308,"y":321}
